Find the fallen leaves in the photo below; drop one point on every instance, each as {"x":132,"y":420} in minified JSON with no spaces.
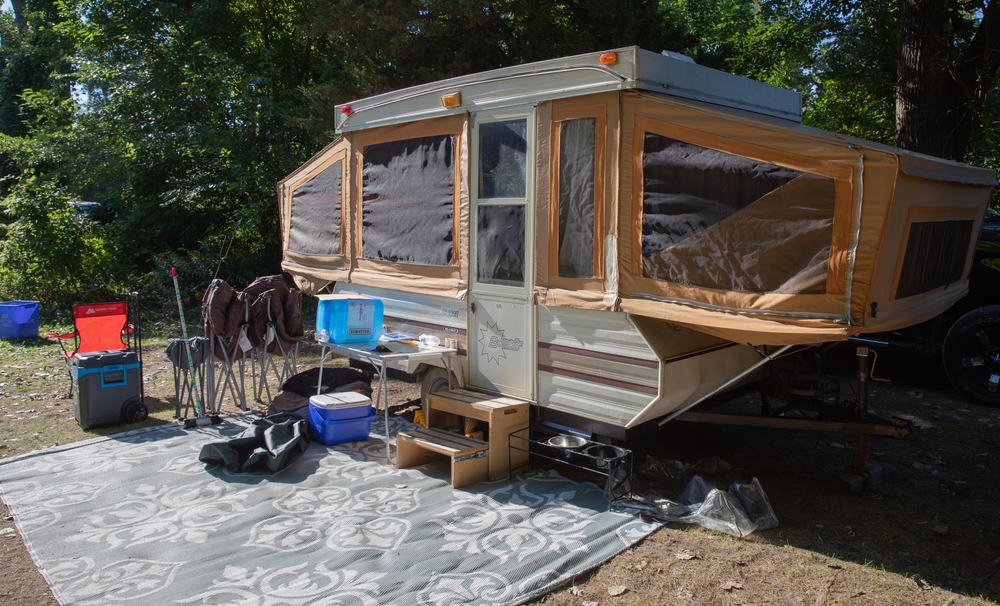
{"x":616,"y":590}
{"x":684,"y":554}
{"x":730,"y":586}
{"x":683,"y":594}
{"x":922,"y":583}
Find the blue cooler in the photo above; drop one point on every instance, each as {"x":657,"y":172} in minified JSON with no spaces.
{"x":335,"y":418}
{"x":349,"y":318}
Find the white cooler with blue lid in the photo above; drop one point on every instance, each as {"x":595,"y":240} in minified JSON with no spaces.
{"x":340,"y":417}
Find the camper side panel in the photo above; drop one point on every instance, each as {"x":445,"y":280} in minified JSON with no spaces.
{"x":927,"y":248}
{"x":594,"y":364}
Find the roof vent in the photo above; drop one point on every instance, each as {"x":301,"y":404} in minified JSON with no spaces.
{"x":677,"y":56}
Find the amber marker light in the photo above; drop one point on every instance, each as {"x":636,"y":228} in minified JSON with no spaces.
{"x":452,"y":100}
{"x":609,"y":58}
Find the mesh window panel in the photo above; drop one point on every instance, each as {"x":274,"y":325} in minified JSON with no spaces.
{"x":935,"y":256}
{"x":408,"y":201}
{"x":502,"y":159}
{"x":500,"y":245}
{"x":722,"y":221}
{"x":576,"y":198}
{"x":314,"y":227}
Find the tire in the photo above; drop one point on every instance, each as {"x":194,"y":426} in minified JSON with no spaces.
{"x":971,"y":355}
{"x":435,"y":379}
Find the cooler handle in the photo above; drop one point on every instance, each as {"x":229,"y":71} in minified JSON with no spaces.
{"x":114,"y":381}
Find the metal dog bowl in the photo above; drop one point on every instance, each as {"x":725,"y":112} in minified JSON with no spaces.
{"x":566,"y":441}
{"x":602,"y":453}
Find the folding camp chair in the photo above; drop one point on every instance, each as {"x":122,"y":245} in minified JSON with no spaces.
{"x":184,"y":387}
{"x":101,"y":327}
{"x":225,"y":315}
{"x":278,"y":327}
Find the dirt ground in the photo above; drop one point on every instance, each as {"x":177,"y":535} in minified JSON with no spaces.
{"x":925,"y":530}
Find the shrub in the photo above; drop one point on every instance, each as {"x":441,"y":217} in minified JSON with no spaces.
{"x":51,"y":253}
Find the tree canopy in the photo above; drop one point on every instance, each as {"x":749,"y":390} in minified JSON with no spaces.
{"x":177,"y":118}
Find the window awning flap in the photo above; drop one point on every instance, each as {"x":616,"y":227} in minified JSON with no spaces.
{"x":740,"y":328}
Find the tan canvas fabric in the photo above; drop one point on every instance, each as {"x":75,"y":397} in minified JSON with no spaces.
{"x":451,"y":281}
{"x":918,"y":200}
{"x":595,"y":292}
{"x":738,"y":328}
{"x":773,"y":143}
{"x":877,"y":193}
{"x":312,"y":273}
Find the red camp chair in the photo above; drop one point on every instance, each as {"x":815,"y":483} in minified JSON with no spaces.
{"x":97,"y":327}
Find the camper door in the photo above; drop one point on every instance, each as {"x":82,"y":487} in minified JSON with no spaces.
{"x":501,"y":318}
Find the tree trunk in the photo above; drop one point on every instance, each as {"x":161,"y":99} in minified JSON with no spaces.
{"x":19,"y":18}
{"x":939,"y":96}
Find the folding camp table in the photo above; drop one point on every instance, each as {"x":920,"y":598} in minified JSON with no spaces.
{"x":382,"y":361}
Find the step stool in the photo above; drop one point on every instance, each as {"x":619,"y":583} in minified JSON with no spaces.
{"x":469,"y":457}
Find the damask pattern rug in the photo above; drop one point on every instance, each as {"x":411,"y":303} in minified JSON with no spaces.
{"x":135,"y":518}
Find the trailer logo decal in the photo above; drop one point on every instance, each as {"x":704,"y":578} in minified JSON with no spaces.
{"x":494,"y":345}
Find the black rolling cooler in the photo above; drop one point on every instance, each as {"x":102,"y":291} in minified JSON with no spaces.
{"x":108,"y":385}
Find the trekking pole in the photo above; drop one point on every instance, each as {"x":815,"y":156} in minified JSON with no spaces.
{"x":202,"y":419}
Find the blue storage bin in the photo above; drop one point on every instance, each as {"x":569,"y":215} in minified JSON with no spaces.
{"x":18,"y":319}
{"x":349,"y":318}
{"x":335,"y":418}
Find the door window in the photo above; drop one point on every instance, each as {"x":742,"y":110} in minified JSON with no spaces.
{"x":500,"y":222}
{"x":502,"y":159}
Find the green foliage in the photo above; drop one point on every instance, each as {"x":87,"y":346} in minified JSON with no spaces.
{"x":179,"y":116}
{"x":49,"y":253}
{"x":30,"y":59}
{"x":768,"y":40}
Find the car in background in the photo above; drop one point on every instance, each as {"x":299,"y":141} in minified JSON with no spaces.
{"x":966,"y":337}
{"x":970,"y":349}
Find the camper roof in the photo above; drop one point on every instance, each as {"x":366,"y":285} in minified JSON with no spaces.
{"x":619,"y":69}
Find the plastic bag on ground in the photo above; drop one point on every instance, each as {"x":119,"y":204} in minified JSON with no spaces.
{"x":738,"y":511}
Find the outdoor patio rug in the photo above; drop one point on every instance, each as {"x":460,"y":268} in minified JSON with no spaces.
{"x":135,"y":518}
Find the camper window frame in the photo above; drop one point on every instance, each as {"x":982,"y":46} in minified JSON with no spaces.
{"x":452,"y":126}
{"x":561,"y":114}
{"x":824,"y":304}
{"x":340,"y":153}
{"x":934,"y":214}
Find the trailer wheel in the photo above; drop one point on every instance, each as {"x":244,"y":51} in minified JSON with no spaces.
{"x":971,"y":354}
{"x":435,"y":379}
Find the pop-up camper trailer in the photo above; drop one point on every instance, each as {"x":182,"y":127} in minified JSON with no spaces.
{"x":617,"y":236}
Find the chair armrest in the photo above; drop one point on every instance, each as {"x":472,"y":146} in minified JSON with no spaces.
{"x":68,"y":335}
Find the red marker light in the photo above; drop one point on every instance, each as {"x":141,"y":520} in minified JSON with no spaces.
{"x":345,"y":109}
